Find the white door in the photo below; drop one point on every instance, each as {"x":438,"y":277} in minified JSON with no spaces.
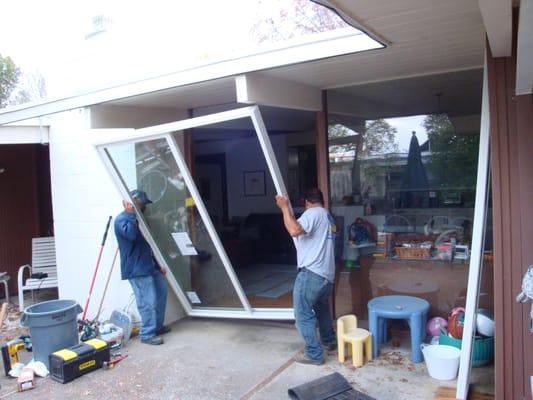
{"x":177,"y":225}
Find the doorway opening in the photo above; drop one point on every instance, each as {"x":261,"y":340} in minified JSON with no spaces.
{"x":26,"y":204}
{"x":233,"y":180}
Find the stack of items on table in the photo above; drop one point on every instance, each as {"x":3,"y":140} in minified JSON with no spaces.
{"x":384,"y":244}
{"x":411,"y":249}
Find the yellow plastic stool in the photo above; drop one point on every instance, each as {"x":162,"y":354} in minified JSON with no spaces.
{"x":349,"y":333}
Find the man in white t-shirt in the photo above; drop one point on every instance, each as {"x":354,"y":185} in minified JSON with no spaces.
{"x":315,"y":240}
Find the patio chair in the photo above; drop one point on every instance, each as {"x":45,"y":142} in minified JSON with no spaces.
{"x":397,"y":224}
{"x":43,"y":268}
{"x":436,"y":225}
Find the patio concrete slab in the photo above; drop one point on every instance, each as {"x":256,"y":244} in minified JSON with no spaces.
{"x":201,"y":359}
{"x":229,"y":359}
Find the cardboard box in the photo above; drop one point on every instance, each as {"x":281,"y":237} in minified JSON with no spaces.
{"x":25,"y":380}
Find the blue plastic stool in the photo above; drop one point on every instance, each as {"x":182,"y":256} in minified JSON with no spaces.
{"x":412,"y":309}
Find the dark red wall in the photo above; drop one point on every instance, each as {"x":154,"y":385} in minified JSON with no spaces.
{"x":511,"y":119}
{"x":25,"y":204}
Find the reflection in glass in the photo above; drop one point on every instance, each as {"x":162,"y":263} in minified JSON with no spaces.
{"x":174,"y":223}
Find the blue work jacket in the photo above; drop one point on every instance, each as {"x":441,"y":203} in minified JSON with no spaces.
{"x":136,"y":257}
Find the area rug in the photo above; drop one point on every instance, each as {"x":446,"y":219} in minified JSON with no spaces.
{"x":268,"y":280}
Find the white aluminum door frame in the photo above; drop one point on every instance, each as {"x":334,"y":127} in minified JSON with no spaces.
{"x":478,"y":243}
{"x":164,"y":131}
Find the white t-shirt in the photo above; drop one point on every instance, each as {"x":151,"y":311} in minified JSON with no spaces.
{"x":315,"y":248}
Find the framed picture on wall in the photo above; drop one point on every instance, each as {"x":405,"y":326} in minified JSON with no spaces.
{"x":254,"y":183}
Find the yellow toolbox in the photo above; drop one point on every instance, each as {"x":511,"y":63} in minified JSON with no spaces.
{"x":68,"y":364}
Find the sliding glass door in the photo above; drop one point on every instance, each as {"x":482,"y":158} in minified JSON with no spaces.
{"x":185,"y":234}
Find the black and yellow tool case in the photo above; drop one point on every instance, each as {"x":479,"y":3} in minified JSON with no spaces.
{"x":68,"y":364}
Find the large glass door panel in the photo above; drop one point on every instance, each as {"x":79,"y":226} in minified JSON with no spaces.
{"x":184,"y":233}
{"x":174,"y":223}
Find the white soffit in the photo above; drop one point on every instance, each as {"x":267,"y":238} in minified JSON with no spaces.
{"x":524,"y":58}
{"x":318,"y":46}
{"x":424,"y":37}
{"x":498,"y":19}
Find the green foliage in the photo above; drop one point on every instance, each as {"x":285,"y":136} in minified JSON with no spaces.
{"x":278,"y":21}
{"x":380,"y":138}
{"x":9,"y":75}
{"x":453,"y":161}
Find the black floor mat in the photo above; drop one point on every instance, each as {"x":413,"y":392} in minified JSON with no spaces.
{"x":330,"y":387}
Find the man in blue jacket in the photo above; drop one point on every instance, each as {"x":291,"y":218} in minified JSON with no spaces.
{"x":138,"y":266}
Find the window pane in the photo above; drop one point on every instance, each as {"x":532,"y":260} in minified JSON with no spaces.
{"x":174,"y":222}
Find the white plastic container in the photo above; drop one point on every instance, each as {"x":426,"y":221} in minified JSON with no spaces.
{"x":442,"y":361}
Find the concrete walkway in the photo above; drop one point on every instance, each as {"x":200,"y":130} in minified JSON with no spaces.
{"x":223,"y":359}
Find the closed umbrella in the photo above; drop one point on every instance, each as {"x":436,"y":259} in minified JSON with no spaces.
{"x":415,"y":181}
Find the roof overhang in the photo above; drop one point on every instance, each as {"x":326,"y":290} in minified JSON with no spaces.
{"x":319,"y":46}
{"x":446,"y":42}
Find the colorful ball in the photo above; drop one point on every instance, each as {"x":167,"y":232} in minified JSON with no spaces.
{"x":434,"y":326}
{"x":456,"y":324}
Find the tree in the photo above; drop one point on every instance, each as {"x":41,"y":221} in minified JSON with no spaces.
{"x":453,"y":160}
{"x":276,"y":22}
{"x":9,"y":75}
{"x":379,"y":138}
{"x":31,"y":86}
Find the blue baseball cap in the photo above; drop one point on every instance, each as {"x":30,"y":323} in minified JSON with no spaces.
{"x":140,"y":196}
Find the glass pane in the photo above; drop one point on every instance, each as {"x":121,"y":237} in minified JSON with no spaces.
{"x":174,"y":222}
{"x":482,"y":379}
{"x":237,"y":188}
{"x":403,"y":171}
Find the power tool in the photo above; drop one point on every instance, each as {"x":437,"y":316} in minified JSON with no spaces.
{"x":10,"y":353}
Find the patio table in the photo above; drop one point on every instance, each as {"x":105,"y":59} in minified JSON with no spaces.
{"x":412,"y":309}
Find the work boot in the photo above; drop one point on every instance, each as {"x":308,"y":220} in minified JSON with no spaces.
{"x":303,"y":359}
{"x":164,"y":329}
{"x":155,"y":340}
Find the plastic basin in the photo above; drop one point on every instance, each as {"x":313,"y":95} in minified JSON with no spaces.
{"x":442,"y":361}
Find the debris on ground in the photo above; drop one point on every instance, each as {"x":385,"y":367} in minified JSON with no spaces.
{"x":11,"y":328}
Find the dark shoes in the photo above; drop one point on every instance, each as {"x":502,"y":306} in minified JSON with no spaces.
{"x":330,"y":346}
{"x":156,"y":340}
{"x":164,"y":329}
{"x":303,"y":359}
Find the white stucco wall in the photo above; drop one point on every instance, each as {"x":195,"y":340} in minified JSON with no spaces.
{"x":83,"y":197}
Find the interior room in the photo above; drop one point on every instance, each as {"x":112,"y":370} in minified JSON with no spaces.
{"x":233,"y":178}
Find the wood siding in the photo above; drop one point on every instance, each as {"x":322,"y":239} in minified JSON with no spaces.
{"x":25,"y":204}
{"x":512,"y":173}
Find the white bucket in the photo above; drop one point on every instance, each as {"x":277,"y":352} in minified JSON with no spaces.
{"x":442,"y":361}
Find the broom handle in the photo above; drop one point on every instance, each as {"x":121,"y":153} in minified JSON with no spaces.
{"x":96,"y":269}
{"x":106,"y":285}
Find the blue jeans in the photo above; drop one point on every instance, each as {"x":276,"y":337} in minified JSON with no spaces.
{"x":151,"y":298}
{"x":311,"y":307}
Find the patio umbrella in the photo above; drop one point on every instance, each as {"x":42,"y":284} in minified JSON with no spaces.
{"x":415,"y":182}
